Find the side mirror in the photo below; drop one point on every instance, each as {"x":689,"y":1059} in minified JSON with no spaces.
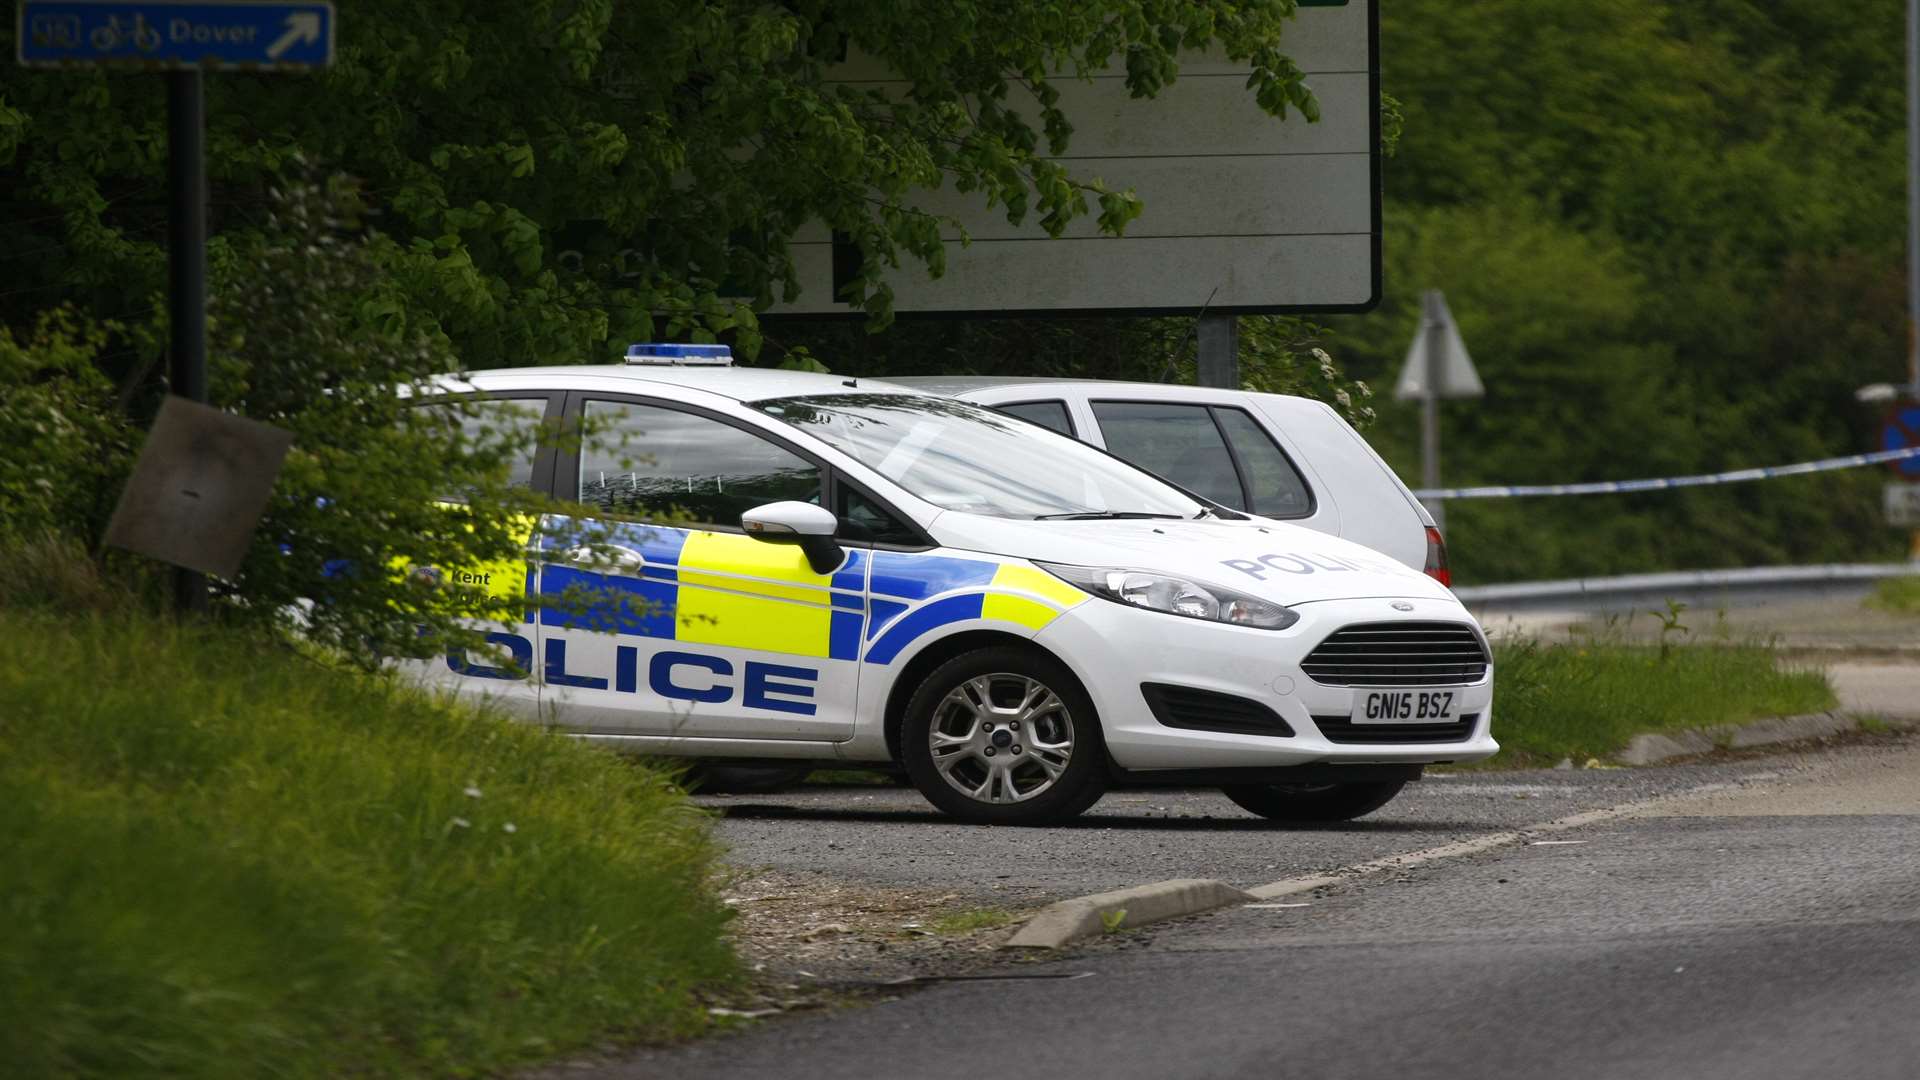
{"x":805,"y":524}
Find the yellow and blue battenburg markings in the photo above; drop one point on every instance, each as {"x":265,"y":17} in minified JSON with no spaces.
{"x":733,"y":590}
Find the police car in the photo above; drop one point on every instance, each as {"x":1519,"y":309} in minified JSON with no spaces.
{"x":809,"y":569}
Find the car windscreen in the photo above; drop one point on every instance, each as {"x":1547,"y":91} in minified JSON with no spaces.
{"x":969,"y":458}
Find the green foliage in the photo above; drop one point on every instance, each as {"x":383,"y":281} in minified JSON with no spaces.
{"x":1672,"y":236}
{"x":560,"y":179}
{"x":62,"y":436}
{"x":225,"y":861}
{"x":1586,"y":699}
{"x":306,"y":338}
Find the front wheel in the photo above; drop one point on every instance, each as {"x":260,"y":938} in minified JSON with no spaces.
{"x":1313,"y":802}
{"x":1004,"y":736}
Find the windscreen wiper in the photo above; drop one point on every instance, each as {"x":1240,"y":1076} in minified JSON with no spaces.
{"x":1105,"y":515}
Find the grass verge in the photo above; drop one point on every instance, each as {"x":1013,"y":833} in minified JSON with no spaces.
{"x":1586,"y":699}
{"x":225,"y":860}
{"x":1898,"y":595}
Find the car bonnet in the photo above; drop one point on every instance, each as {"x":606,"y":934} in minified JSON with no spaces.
{"x":1283,"y":563}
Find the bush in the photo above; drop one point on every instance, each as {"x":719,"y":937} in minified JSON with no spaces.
{"x":303,"y":335}
{"x":64,"y":443}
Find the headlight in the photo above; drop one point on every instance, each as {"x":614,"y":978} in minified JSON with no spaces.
{"x":1175,"y":595}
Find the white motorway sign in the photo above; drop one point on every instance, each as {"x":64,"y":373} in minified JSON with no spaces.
{"x":1262,"y":214}
{"x":1902,"y":504}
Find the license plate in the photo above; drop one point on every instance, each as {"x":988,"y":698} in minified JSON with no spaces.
{"x":1409,"y":706}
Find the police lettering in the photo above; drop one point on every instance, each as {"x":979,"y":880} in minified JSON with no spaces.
{"x":673,"y":674}
{"x":1303,"y":563}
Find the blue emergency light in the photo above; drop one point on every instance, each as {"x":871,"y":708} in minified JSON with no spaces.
{"x":656,"y":353}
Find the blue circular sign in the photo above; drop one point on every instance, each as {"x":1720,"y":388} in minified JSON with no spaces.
{"x":1902,"y":430}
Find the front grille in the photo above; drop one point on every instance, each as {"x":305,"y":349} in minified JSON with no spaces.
{"x":1399,"y":654}
{"x":1205,"y":710}
{"x":1342,"y":729}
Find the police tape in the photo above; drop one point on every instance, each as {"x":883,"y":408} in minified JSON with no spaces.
{"x":1610,"y":487}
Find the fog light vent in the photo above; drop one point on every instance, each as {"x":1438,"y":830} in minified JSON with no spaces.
{"x":1207,"y":710}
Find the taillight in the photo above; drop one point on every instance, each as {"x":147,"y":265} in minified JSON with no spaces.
{"x":1436,"y":567}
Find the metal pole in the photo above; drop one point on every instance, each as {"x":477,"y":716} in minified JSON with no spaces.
{"x":1432,"y":326}
{"x":187,"y":267}
{"x":1913,"y":199}
{"x":1913,"y":222}
{"x":1219,"y":351}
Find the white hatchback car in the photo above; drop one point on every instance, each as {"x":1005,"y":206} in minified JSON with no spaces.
{"x":857,"y":573}
{"x":1279,"y":456}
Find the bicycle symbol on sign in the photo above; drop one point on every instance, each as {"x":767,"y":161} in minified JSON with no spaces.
{"x":118,"y":32}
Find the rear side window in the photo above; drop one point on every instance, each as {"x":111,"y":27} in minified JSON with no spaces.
{"x":1215,"y":451}
{"x":1180,"y":442}
{"x":1276,"y":487}
{"x":1048,"y":414}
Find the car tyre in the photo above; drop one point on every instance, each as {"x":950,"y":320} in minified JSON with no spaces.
{"x":1311,"y":803}
{"x":1004,"y":736}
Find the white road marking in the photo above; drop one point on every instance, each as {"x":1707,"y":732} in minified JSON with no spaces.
{"x":1475,"y":846}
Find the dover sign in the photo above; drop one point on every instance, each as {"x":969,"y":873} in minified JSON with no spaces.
{"x":158,"y":35}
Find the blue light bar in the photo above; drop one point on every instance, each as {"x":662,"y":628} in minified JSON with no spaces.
{"x":656,"y":353}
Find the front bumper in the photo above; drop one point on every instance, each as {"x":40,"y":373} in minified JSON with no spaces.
{"x":1114,"y":649}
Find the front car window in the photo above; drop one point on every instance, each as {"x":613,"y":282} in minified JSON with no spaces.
{"x":965,"y":457}
{"x":651,"y":463}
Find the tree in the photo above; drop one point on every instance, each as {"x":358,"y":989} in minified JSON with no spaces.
{"x":1671,"y":233}
{"x":563,"y":176}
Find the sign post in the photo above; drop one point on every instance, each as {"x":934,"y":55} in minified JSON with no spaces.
{"x":1437,"y":367}
{"x":187,"y":268}
{"x":182,"y":40}
{"x":1900,"y":430}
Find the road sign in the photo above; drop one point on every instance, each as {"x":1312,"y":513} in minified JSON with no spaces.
{"x":156,"y":35}
{"x":1902,"y":503}
{"x":1451,"y":369}
{"x":1262,"y":214}
{"x":1901,"y":430}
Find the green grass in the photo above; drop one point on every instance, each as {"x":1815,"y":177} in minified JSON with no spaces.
{"x":221,"y":859}
{"x":1585,"y":700}
{"x":1899,"y":595}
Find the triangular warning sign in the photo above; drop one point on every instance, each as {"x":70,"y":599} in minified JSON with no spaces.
{"x":1457,"y":378}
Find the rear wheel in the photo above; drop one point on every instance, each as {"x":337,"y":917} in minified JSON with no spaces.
{"x":1004,"y":736}
{"x":1313,"y":802}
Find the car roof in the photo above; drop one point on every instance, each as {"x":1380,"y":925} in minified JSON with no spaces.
{"x":738,"y":383}
{"x":962,"y":385}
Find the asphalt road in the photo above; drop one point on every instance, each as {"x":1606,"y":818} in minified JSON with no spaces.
{"x":1767,"y":928}
{"x":892,"y":837}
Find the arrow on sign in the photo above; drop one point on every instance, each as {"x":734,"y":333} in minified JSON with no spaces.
{"x":303,"y":28}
